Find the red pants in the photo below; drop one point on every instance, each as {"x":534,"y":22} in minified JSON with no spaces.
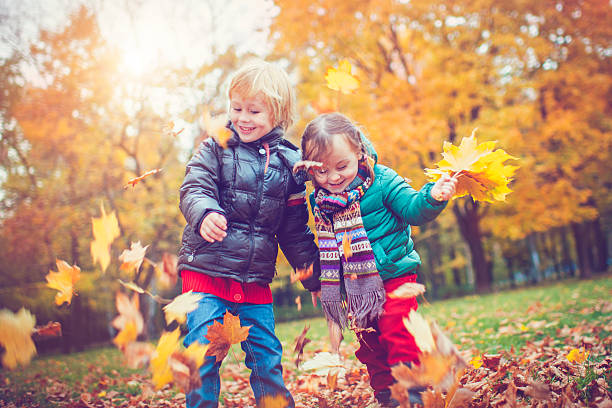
{"x":391,"y":343}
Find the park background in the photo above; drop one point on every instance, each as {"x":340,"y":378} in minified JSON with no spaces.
{"x":95,"y":93}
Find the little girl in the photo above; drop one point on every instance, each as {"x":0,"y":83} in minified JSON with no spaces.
{"x":368,"y":208}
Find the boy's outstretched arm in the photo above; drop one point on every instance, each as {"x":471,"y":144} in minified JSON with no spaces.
{"x":199,"y":193}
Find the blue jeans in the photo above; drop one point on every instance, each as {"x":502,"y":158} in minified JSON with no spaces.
{"x":262,"y":347}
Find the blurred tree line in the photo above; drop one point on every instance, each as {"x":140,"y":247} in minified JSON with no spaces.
{"x":533,"y":76}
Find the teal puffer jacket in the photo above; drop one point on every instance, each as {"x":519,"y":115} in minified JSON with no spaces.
{"x":388,"y":209}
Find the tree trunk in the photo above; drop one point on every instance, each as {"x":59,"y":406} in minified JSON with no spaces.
{"x":567,"y":262}
{"x":583,"y":245}
{"x":601,"y":246}
{"x":456,"y":272}
{"x":466,"y":212}
{"x":535,"y":274}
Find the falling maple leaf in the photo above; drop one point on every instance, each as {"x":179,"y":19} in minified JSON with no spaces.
{"x":324,"y":362}
{"x":273,"y":401}
{"x":180,"y":306}
{"x":301,"y":274}
{"x":129,"y":311}
{"x":132,"y":258}
{"x":63,"y":280}
{"x":300,"y":342}
{"x":341,"y":79}
{"x":298,"y":302}
{"x":346,"y":245}
{"x":131,"y":286}
{"x":196,"y":351}
{"x":128,"y":334}
{"x":216,"y":127}
{"x":49,"y":330}
{"x":162,"y":372}
{"x":168,"y":270}
{"x":16,"y":337}
{"x":105,"y":230}
{"x":136,"y":180}
{"x":408,"y":290}
{"x":185,"y":373}
{"x":138,"y":353}
{"x":222,"y":336}
{"x":420,"y":330}
{"x":479,"y":169}
{"x":168,"y":130}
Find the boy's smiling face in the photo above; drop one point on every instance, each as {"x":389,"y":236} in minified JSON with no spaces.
{"x":250,"y":116}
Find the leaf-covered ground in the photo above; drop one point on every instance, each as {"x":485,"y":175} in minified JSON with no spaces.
{"x":519,"y":343}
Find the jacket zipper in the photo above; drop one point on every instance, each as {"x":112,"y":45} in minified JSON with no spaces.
{"x":258,"y":206}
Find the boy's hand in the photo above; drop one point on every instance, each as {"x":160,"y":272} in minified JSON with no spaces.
{"x":213,"y":227}
{"x":444,"y":189}
{"x":315,"y":295}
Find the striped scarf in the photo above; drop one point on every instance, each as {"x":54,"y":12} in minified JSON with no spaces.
{"x":340,"y":232}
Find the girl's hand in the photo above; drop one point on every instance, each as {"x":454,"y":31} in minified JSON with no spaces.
{"x":314,"y":296}
{"x":213,"y":227}
{"x":444,"y":189}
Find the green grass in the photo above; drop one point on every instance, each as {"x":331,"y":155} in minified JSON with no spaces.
{"x":489,"y":323}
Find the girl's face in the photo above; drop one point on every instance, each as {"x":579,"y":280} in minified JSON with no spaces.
{"x":251,"y":117}
{"x":340,"y":165}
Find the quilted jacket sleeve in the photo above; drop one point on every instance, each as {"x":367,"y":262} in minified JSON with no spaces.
{"x":199,"y":193}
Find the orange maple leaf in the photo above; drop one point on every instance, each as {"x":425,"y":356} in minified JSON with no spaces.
{"x":346,"y":245}
{"x":215,"y":127}
{"x":63,"y":280}
{"x":222,"y":336}
{"x":167,"y":271}
{"x":301,"y":274}
{"x":479,"y":169}
{"x":132,"y":258}
{"x":105,"y":230}
{"x":300,"y":342}
{"x":136,"y":180}
{"x":15,"y":337}
{"x":168,"y":130}
{"x":341,"y":79}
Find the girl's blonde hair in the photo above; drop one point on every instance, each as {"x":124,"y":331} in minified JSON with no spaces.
{"x":317,"y":136}
{"x":259,"y":76}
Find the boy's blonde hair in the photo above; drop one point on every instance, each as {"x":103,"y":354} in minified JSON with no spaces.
{"x":259,"y":76}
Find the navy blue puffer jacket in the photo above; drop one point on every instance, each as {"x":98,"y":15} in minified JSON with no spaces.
{"x":257,"y":203}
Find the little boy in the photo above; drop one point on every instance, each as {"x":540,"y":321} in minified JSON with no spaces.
{"x":241,"y":202}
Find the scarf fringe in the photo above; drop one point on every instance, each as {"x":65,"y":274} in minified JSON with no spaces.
{"x":335,"y":312}
{"x":367,"y":307}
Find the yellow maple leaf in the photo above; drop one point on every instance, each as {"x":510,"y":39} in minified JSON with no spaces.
{"x":476,"y":361}
{"x":341,"y":79}
{"x":479,"y":169}
{"x":216,"y":127}
{"x":127,"y":335}
{"x":180,"y":306}
{"x":105,"y":230}
{"x":162,"y":372}
{"x":15,"y":337}
{"x":578,"y":355}
{"x":196,"y":351}
{"x":132,"y":258}
{"x":63,"y":280}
